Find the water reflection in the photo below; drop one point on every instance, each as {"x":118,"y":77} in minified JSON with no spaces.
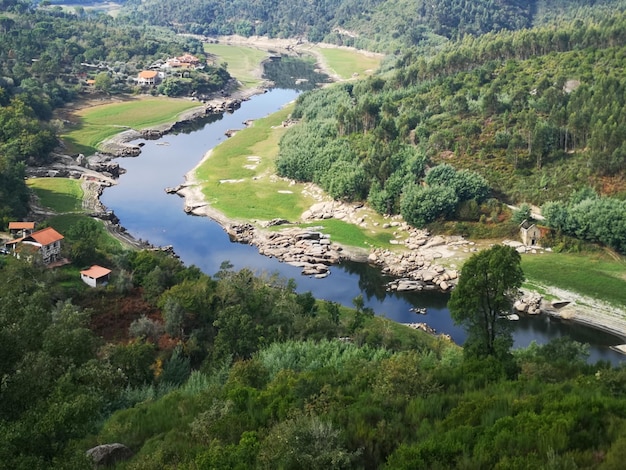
{"x":142,"y":205}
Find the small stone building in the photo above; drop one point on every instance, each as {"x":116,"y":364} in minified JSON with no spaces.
{"x":95,"y":276}
{"x":21,"y":229}
{"x":529,"y":233}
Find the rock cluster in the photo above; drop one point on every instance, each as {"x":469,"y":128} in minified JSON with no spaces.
{"x":307,"y":249}
{"x":335,"y":210}
{"x":416,"y":268}
{"x":529,"y":303}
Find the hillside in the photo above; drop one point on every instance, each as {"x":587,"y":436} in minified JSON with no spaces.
{"x":373,"y":24}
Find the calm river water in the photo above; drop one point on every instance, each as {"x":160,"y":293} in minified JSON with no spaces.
{"x":142,"y":205}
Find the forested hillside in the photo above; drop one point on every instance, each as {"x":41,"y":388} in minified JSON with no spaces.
{"x":46,"y":57}
{"x":372,"y":24}
{"x":527,"y":116}
{"x":233,"y":371}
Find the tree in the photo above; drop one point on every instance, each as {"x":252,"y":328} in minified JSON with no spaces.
{"x":421,"y":205}
{"x":103,"y":82}
{"x":487,"y":285}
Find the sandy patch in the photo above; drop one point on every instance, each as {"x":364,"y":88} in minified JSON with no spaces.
{"x":232,"y":181}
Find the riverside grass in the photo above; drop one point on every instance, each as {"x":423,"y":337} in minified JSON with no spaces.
{"x":594,"y":275}
{"x":237,"y":180}
{"x":347,"y":62}
{"x":242,"y":62}
{"x":97,"y":123}
{"x":61,"y":195}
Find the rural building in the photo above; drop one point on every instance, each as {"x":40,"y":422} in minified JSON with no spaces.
{"x":21,"y":229}
{"x":147,"y":77}
{"x":45,"y":243}
{"x":183,"y":61}
{"x":529,"y":233}
{"x":95,"y":276}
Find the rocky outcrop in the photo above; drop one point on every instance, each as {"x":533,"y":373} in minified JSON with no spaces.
{"x":415,"y":269}
{"x":312,"y":251}
{"x":529,"y":303}
{"x":107,"y":455}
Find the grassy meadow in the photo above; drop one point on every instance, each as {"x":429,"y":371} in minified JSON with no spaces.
{"x":238,"y":180}
{"x":61,"y":195}
{"x":97,"y":123}
{"x":595,"y":275}
{"x":244,"y":63}
{"x":347,"y":62}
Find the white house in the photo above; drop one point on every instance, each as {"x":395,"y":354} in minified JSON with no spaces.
{"x":147,"y":77}
{"x":95,"y":276}
{"x":46,"y":242}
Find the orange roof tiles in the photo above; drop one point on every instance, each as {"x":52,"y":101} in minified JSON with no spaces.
{"x":45,"y":237}
{"x":96,"y":272}
{"x":21,"y":225}
{"x":148,"y":74}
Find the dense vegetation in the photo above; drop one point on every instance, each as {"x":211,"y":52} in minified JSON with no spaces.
{"x":372,"y":24}
{"x":235,"y":371}
{"x":537,"y":114}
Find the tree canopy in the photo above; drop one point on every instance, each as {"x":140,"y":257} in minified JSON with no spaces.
{"x":489,"y":281}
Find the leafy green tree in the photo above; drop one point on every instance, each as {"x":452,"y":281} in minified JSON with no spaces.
{"x":489,"y":281}
{"x":421,"y":205}
{"x":103,"y":82}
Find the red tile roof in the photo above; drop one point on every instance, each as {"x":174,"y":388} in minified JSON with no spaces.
{"x":96,"y":272}
{"x":44,"y":237}
{"x":148,"y":74}
{"x":21,"y":225}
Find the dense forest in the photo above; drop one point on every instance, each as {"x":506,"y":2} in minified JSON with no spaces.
{"x":483,"y":103}
{"x":372,"y":24}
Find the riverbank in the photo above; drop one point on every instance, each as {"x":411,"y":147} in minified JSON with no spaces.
{"x":403,"y":254}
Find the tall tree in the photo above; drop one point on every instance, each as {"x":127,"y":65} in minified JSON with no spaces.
{"x":488,"y":283}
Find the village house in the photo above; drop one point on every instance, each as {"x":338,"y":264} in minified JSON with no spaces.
{"x":529,"y":233}
{"x":185,"y":61}
{"x":21,"y":229}
{"x":46,"y":243}
{"x":95,"y":276}
{"x":147,"y":77}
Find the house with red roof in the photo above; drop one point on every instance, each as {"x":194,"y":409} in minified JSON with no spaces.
{"x":46,"y":243}
{"x":147,"y":77}
{"x":95,"y":276}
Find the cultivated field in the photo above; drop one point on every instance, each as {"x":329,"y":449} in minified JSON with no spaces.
{"x":348,"y":63}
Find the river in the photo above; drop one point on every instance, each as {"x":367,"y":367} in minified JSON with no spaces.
{"x":148,"y":213}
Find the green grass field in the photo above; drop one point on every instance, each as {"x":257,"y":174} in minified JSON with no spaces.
{"x":592,"y":275}
{"x":97,"y":123}
{"x":61,"y":195}
{"x":237,"y":180}
{"x":346,"y":62}
{"x":242,"y":61}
